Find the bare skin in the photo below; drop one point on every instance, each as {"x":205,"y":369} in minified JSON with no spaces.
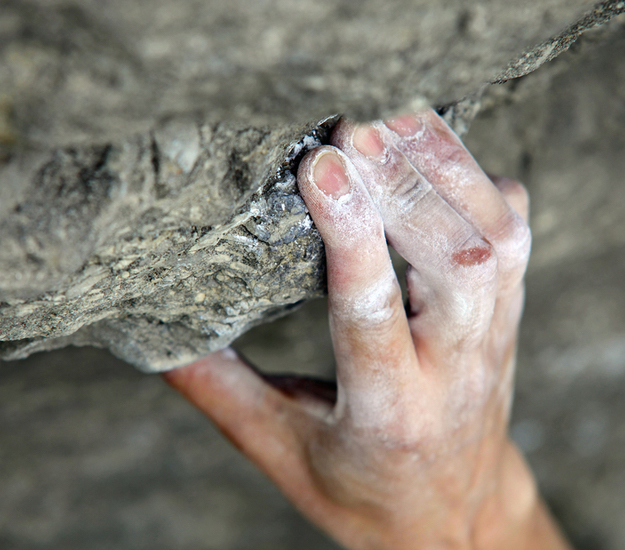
{"x":411,"y":452}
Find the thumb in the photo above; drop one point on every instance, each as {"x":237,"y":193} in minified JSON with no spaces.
{"x":257,"y":418}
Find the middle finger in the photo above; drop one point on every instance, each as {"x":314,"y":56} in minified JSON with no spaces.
{"x":452,"y":280}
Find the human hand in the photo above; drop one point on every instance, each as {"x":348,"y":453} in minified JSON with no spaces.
{"x":412,"y":451}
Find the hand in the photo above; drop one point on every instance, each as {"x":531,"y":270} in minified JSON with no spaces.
{"x":411,"y":451}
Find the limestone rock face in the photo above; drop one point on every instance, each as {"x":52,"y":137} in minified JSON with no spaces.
{"x":163,"y":247}
{"x":148,"y":202}
{"x":87,"y":70}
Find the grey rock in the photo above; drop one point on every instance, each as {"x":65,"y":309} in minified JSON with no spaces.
{"x":163,"y":248}
{"x":90,"y":71}
{"x":147,"y":194}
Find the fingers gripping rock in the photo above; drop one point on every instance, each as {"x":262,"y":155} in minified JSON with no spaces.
{"x":435,"y":151}
{"x":361,"y":279}
{"x":454,"y":270}
{"x":367,"y":316}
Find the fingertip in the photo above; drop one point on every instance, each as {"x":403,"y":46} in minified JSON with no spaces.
{"x":323,"y":174}
{"x":341,"y":135}
{"x":368,"y":142}
{"x":404,"y":125}
{"x":329,"y":175}
{"x":338,"y":201}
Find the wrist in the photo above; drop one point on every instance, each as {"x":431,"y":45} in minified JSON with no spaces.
{"x":514,"y":516}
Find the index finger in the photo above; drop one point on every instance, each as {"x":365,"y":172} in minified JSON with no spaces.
{"x":376,"y":360}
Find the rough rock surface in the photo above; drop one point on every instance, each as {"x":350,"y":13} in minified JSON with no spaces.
{"x":136,"y":213}
{"x":88,"y":70}
{"x":180,"y":240}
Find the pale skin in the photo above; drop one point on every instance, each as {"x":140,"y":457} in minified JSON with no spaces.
{"x":411,"y":452}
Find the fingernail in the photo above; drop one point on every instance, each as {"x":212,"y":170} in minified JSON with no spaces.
{"x":368,"y":141}
{"x":329,"y":175}
{"x":405,"y":126}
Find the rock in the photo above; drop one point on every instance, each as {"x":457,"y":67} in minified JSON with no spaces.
{"x":162,"y":248}
{"x":147,"y":150}
{"x":90,"y":71}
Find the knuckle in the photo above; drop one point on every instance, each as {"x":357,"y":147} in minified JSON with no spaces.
{"x":513,"y":249}
{"x":406,"y":185}
{"x":455,"y":154}
{"x":470,"y":293}
{"x":470,"y":316}
{"x":402,"y":437}
{"x":376,"y":305}
{"x":475,"y":265}
{"x":382,"y":317}
{"x":405,"y":430}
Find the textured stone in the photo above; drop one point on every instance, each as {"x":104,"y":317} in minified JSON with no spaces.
{"x":113,"y":68}
{"x":162,"y":248}
{"x":147,"y":196}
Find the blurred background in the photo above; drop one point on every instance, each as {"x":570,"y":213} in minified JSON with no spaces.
{"x":95,"y":455}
